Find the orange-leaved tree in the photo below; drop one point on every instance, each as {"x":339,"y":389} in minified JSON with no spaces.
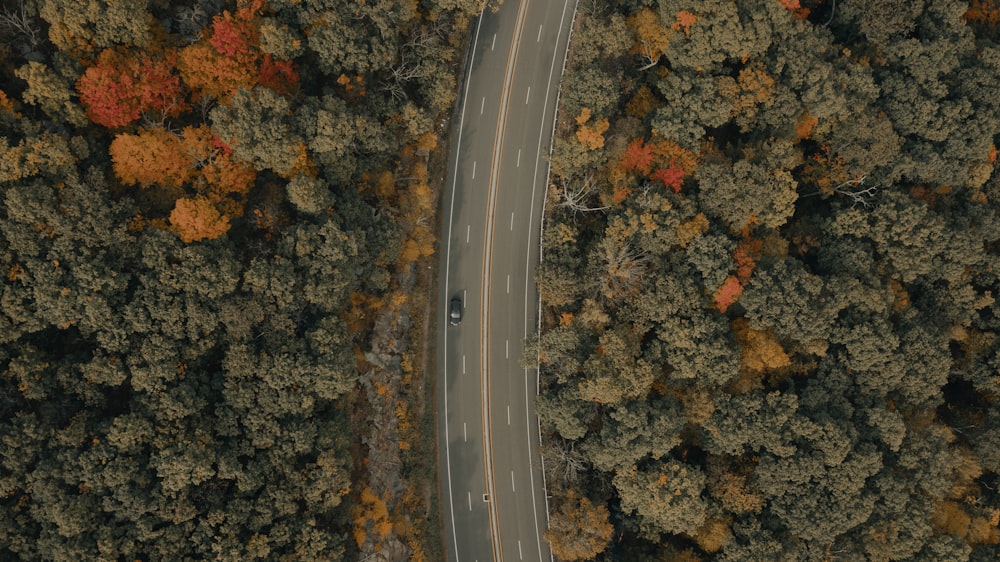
{"x":212,"y":157}
{"x":983,"y":12}
{"x":153,"y":156}
{"x":638,"y":157}
{"x":759,"y":349}
{"x":120,"y":87}
{"x":795,"y":8}
{"x":195,"y":219}
{"x":684,"y":20}
{"x":728,"y":293}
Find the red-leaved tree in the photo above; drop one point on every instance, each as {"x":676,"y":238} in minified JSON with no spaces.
{"x":638,"y":157}
{"x":672,"y":176}
{"x":120,"y":87}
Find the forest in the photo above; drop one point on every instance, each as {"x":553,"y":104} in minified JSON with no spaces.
{"x":212,"y":218}
{"x":769,"y":283}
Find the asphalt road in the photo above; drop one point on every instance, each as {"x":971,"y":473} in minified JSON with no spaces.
{"x":491,"y":475}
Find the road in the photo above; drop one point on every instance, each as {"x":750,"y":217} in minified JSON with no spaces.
{"x":492,"y":480}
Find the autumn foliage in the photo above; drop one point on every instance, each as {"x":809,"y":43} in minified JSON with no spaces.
{"x":672,"y":176}
{"x":212,"y":157}
{"x":590,"y":134}
{"x":197,"y":219}
{"x":638,"y":157}
{"x":121,"y":87}
{"x":578,"y":530}
{"x":230,"y":59}
{"x":156,"y":156}
{"x":795,"y":7}
{"x":759,"y":349}
{"x":658,"y":160}
{"x":804,"y":125}
{"x":984,"y":12}
{"x":650,"y":36}
{"x":153,"y":156}
{"x":196,"y":160}
{"x":684,"y":20}
{"x":728,"y":293}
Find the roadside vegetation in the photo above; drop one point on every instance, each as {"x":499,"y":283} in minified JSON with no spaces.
{"x":770,"y":280}
{"x":213,"y":216}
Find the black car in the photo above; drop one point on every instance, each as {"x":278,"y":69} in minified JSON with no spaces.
{"x":455,"y":311}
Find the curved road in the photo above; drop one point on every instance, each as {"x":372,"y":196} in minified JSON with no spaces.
{"x":490,"y":470}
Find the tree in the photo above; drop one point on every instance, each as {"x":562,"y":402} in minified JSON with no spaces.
{"x":638,"y":157}
{"x":753,"y":423}
{"x":693,"y":99}
{"x":809,"y":494}
{"x":672,"y":177}
{"x":666,"y":495}
{"x":578,"y":529}
{"x":650,"y":36}
{"x":83,"y":28}
{"x":747,"y":194}
{"x":619,"y":266}
{"x":590,"y":135}
{"x":256,"y":125}
{"x":354,"y":41}
{"x":728,"y":293}
{"x":50,"y":91}
{"x":721,"y":31}
{"x":633,"y":432}
{"x":604,"y":36}
{"x":795,"y":304}
{"x":120,"y":87}
{"x":230,"y":58}
{"x":211,"y":75}
{"x":881,"y":22}
{"x":615,"y":371}
{"x":197,"y":219}
{"x":153,"y":156}
{"x":308,"y":195}
{"x":760,"y":348}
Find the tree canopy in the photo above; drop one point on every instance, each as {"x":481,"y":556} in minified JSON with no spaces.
{"x":200,"y":220}
{"x":769,"y":322}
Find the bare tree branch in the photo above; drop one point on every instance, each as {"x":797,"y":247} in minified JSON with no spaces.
{"x":573,"y":194}
{"x":624,"y":267}
{"x":858,"y":193}
{"x":19,"y":22}
{"x":566,"y":460}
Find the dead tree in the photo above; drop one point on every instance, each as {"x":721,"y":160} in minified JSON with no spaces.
{"x":574,"y":193}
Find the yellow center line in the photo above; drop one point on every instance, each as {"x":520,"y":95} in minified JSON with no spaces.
{"x":487,"y":266}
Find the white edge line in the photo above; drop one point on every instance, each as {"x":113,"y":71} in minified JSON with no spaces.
{"x":447,"y":265}
{"x":506,"y":91}
{"x":527,"y":415}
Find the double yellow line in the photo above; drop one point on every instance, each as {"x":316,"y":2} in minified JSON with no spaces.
{"x":487,"y":265}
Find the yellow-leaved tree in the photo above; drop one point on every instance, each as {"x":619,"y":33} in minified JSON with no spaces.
{"x":578,"y":530}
